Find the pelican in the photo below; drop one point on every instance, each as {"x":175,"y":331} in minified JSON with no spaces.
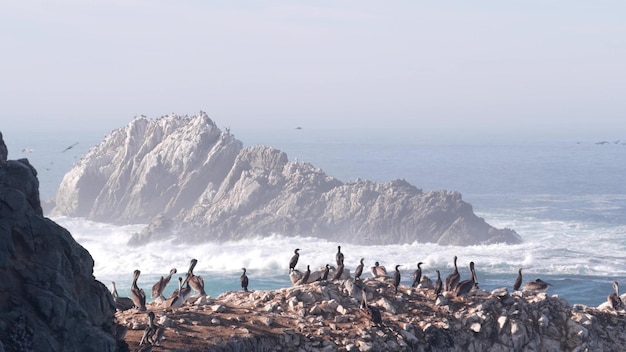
{"x":518,"y":281}
{"x":177,"y":299}
{"x":339,"y":256}
{"x":159,"y":286}
{"x":453,"y":279}
{"x":137,"y":294}
{"x":305,"y":278}
{"x":196,"y":282}
{"x":378,"y":270}
{"x":537,"y":286}
{"x":294,"y":260}
{"x":244,"y":280}
{"x":438,"y":285}
{"x":417,"y":275}
{"x":614,"y":300}
{"x":121,"y":303}
{"x":465,"y":286}
{"x":359,"y":270}
{"x":153,"y":334}
{"x":396,"y":278}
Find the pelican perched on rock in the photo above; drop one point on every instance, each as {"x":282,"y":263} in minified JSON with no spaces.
{"x":378,"y":270}
{"x":536,"y":286}
{"x":196,"y":282}
{"x":359,"y":270}
{"x":396,"y":278}
{"x":518,"y":281}
{"x":121,"y":303}
{"x":465,"y":286}
{"x":294,"y":260}
{"x":159,"y":286}
{"x":153,"y":334}
{"x":339,"y":256}
{"x":453,"y":279}
{"x":417,"y":275}
{"x":138,"y":295}
{"x":244,"y":280}
{"x":614,"y":300}
{"x":178,"y":297}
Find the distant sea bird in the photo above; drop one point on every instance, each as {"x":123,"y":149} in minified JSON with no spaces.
{"x":438,"y":285}
{"x":614,"y":300}
{"x":244,"y":280}
{"x":339,"y":271}
{"x":159,"y":286}
{"x":359,"y":270}
{"x":294,"y":259}
{"x":196,"y":282}
{"x":378,"y":270}
{"x":465,"y":286}
{"x":177,"y":298}
{"x":339,"y":256}
{"x":324,"y":276}
{"x":536,"y":286}
{"x":153,"y":334}
{"x":518,"y":281}
{"x":69,"y":147}
{"x":396,"y":278}
{"x":453,"y":279}
{"x":138,"y":295}
{"x":305,"y":277}
{"x":417,"y":275}
{"x":121,"y":303}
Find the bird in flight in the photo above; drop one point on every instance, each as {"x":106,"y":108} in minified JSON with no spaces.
{"x":70,"y":147}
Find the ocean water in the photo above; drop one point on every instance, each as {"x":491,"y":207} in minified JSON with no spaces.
{"x":565,"y":197}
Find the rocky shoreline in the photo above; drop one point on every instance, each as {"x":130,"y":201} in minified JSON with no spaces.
{"x":328,"y":316}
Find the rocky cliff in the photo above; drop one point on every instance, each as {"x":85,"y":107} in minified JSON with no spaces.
{"x":329,"y":316}
{"x":192,"y":181}
{"x":49,"y":299}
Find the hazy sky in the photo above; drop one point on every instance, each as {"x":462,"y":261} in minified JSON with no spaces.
{"x":505,"y":66}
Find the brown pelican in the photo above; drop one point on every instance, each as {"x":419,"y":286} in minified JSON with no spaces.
{"x":339,"y":270}
{"x":537,"y":286}
{"x":196,"y":282}
{"x":153,"y":334}
{"x":339,"y":256}
{"x":614,"y":300}
{"x":417,"y":275}
{"x":438,"y":285}
{"x":453,"y":279}
{"x":137,"y":294}
{"x":177,"y":299}
{"x":465,"y":286}
{"x":378,"y":270}
{"x":159,"y":287}
{"x":244,"y":280}
{"x":396,"y":278}
{"x":359,"y":270}
{"x":294,"y":260}
{"x":518,"y":281}
{"x":305,"y":278}
{"x":121,"y":303}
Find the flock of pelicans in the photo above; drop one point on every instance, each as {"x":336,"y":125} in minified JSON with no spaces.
{"x":192,"y":287}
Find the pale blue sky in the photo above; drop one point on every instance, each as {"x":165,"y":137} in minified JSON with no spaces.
{"x":503,"y":66}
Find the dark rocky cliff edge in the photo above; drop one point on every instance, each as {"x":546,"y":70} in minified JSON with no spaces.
{"x":189,"y":180}
{"x":49,"y":298}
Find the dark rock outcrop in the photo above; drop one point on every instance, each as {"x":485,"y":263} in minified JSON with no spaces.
{"x":49,"y":298}
{"x":211,"y":188}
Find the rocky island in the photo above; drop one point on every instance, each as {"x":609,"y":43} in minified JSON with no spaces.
{"x":191,"y":181}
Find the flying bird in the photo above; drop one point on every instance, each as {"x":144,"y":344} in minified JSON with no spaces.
{"x":70,"y":147}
